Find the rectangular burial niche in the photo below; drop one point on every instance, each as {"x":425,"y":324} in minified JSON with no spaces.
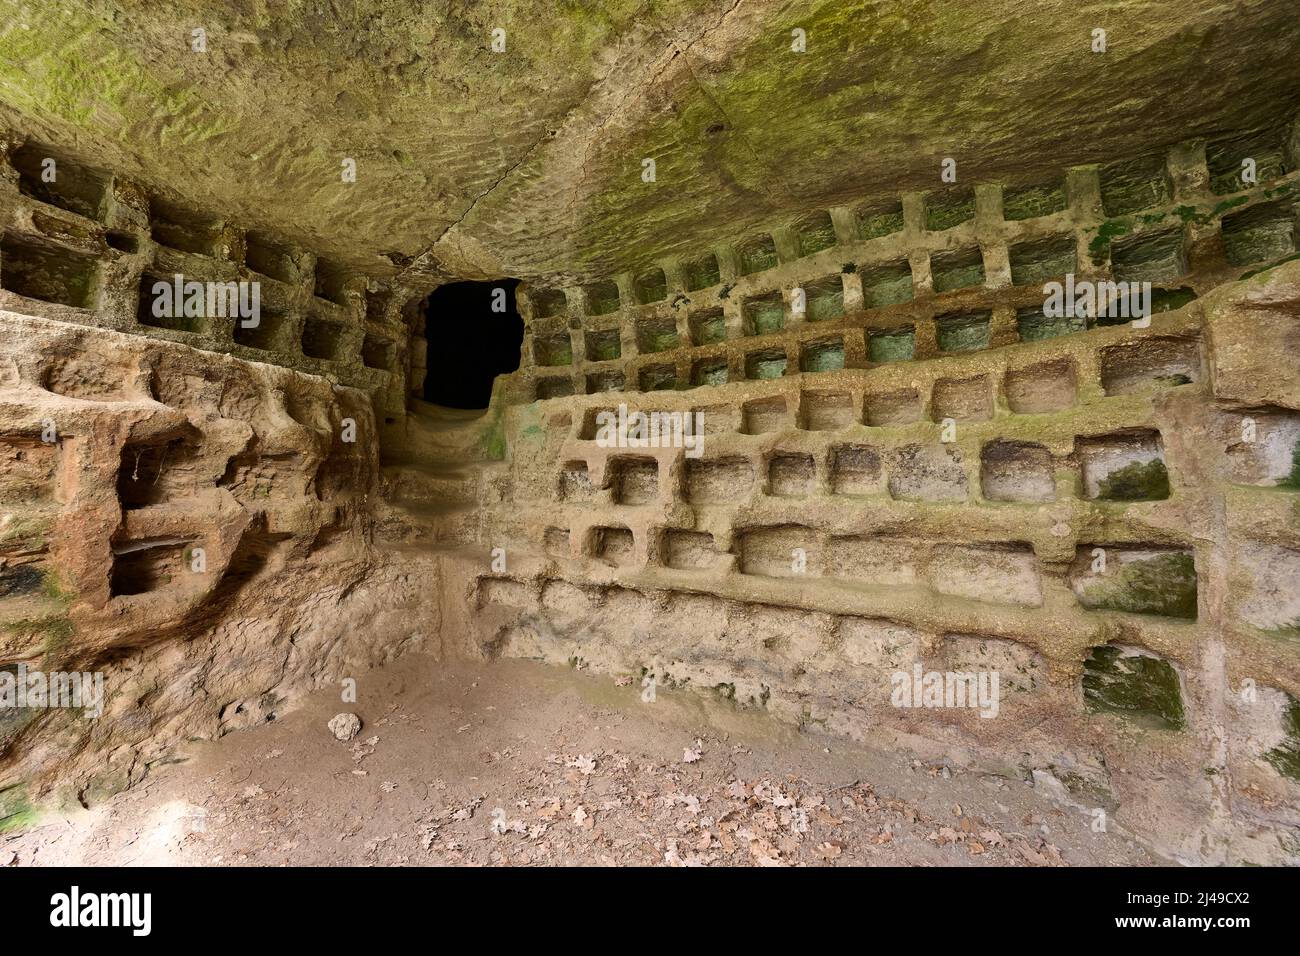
{"x":879,"y":217}
{"x":554,"y":386}
{"x":764,"y":415}
{"x":899,"y":407}
{"x":147,"y":565}
{"x":855,"y":470}
{"x":963,"y":331}
{"x":547,"y":302}
{"x":823,"y":355}
{"x":1124,"y":466}
{"x":790,"y":475}
{"x":1041,"y":389}
{"x":1156,"y":258}
{"x":603,"y":345}
{"x":756,"y":254}
{"x":715,"y":481}
{"x":1039,"y":260}
{"x":702,"y":272}
{"x":471,"y":342}
{"x":1034,"y":325}
{"x":610,"y":380}
{"x":826,"y":411}
{"x":1031,"y":202}
{"x":1226,"y":158}
{"x":331,"y":282}
{"x":764,"y":313}
{"x":658,"y":378}
{"x":1260,"y":234}
{"x":323,"y":339}
{"x":656,"y":333}
{"x":959,"y":269}
{"x":1017,"y":471}
{"x":650,"y":286}
{"x":891,"y":345}
{"x":707,"y":326}
{"x":184,"y":229}
{"x":710,"y":371}
{"x":690,"y":550}
{"x":552,"y":348}
{"x":948,"y":208}
{"x":265,"y":335}
{"x":614,"y":546}
{"x":1150,"y":363}
{"x":635,"y":480}
{"x":50,"y":177}
{"x":378,"y":352}
{"x":602,"y":298}
{"x":887,"y":284}
{"x":574,"y":482}
{"x":1135,"y":579}
{"x":270,"y":257}
{"x":962,"y":400}
{"x":765,"y":363}
{"x":824,"y":299}
{"x":814,"y":233}
{"x":1131,"y":185}
{"x":48,"y":273}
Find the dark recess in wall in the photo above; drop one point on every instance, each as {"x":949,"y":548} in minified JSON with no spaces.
{"x":469,"y":344}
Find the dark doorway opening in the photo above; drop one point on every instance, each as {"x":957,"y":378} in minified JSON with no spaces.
{"x":470,"y":343}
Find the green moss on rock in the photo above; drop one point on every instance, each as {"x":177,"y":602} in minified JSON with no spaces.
{"x":1164,"y":584}
{"x":1285,"y":757}
{"x":1144,"y":689}
{"x":1138,"y":481}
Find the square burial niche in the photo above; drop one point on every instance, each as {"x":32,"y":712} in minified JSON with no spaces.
{"x":949,"y":208}
{"x":267,"y":334}
{"x":603,"y":345}
{"x":1041,"y":389}
{"x":1038,"y":261}
{"x":656,"y":334}
{"x":1017,"y":471}
{"x":148,"y":565}
{"x":184,"y":229}
{"x":1226,"y":158}
{"x":76,"y":188}
{"x":614,"y":546}
{"x":1260,"y":234}
{"x":960,"y":269}
{"x":1126,"y":466}
{"x":610,"y":380}
{"x":650,"y":286}
{"x":826,"y":411}
{"x":48,"y":274}
{"x":790,"y":475}
{"x":814,"y":233}
{"x":826,"y":355}
{"x":929,"y":472}
{"x":1132,"y":185}
{"x":1156,"y":258}
{"x":710,"y":371}
{"x":690,"y":550}
{"x":764,"y":313}
{"x":1150,"y":363}
{"x":891,"y":345}
{"x":635,"y":480}
{"x":765,"y":363}
{"x":331,"y":283}
{"x":271,"y":258}
{"x":323,"y":339}
{"x":378,"y":352}
{"x":1262,"y":446}
{"x":1137,"y":580}
{"x":900,"y":407}
{"x":824,"y":299}
{"x":602,"y":298}
{"x":701,"y":273}
{"x":756,"y":254}
{"x":963,"y":331}
{"x":764,"y":415}
{"x":548,"y":302}
{"x":554,"y":386}
{"x":658,"y":378}
{"x":1034,"y":324}
{"x":172,"y":318}
{"x":1031,"y":202}
{"x":878,"y":218}
{"x":707,"y":326}
{"x":717,"y":481}
{"x":856,"y":470}
{"x":575,"y":482}
{"x":887,"y":284}
{"x":962,"y":399}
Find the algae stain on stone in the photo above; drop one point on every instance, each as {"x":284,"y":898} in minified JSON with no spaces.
{"x":1138,"y":481}
{"x":1285,"y":757}
{"x":1142,"y":688}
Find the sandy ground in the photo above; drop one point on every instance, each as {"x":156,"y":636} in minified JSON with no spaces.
{"x":518,"y":763}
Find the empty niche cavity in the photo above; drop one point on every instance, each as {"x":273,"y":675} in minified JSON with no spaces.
{"x":878,"y":218}
{"x":603,"y":345}
{"x":690,"y":550}
{"x":764,"y":314}
{"x":1037,"y":261}
{"x":999,"y":574}
{"x":815,"y":233}
{"x":855,"y":470}
{"x":636,"y":480}
{"x":781,"y":551}
{"x":658,"y":378}
{"x":790,"y":475}
{"x":1125,"y":466}
{"x":184,"y":229}
{"x":378,"y":352}
{"x":1225,"y":159}
{"x":1159,"y":581}
{"x":1040,"y":389}
{"x":887,"y":284}
{"x":331,"y":283}
{"x":547,"y":302}
{"x":960,"y":269}
{"x":710,"y":371}
{"x":610,"y":380}
{"x":900,"y":407}
{"x":322,"y":339}
{"x":1136,"y":684}
{"x":271,"y":258}
{"x":1031,"y":202}
{"x":963,"y":331}
{"x":701,"y":273}
{"x":962,"y":399}
{"x":266,"y":334}
{"x":824,"y":299}
{"x":554,"y":386}
{"x":614,"y":546}
{"x":1017,"y":471}
{"x":48,"y":274}
{"x":553,"y":349}
{"x":1150,"y":363}
{"x":929,"y":472}
{"x":891,"y":345}
{"x":765,"y":363}
{"x":74,"y":187}
{"x":575,"y":482}
{"x":886,"y":561}
{"x":707,"y":326}
{"x":718,"y":480}
{"x":656,"y":334}
{"x":651,"y":286}
{"x":1262,"y":446}
{"x":764,"y":415}
{"x":1260,"y":234}
{"x":826,"y":411}
{"x":756,"y":254}
{"x":823,"y":355}
{"x":718,"y":419}
{"x":1132,"y":185}
{"x":949,"y":208}
{"x":1155,"y":258}
{"x":1034,"y":325}
{"x":148,"y":565}
{"x":602,"y":298}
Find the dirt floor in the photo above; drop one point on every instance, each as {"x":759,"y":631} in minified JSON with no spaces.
{"x":518,"y":763}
